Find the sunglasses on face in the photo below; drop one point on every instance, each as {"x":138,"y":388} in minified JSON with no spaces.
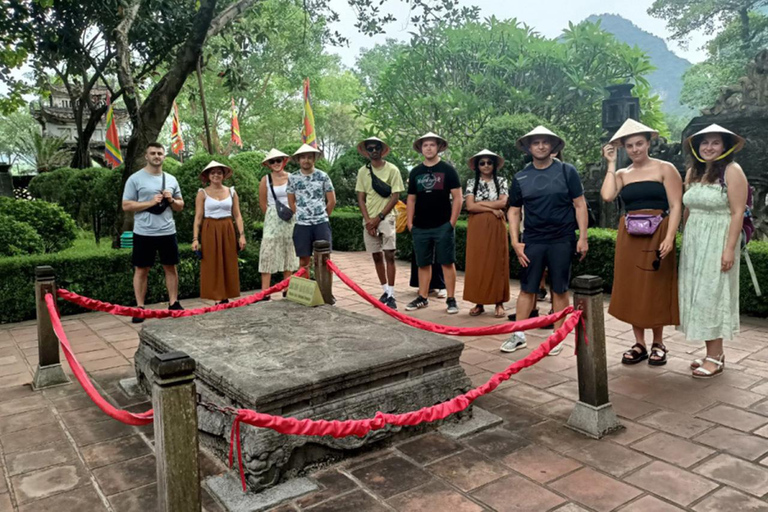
{"x":656,"y":265}
{"x":484,"y":162}
{"x":275,"y":161}
{"x":371,"y":149}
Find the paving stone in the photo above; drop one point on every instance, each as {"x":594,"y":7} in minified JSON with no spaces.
{"x":595,"y":490}
{"x":25,"y":420}
{"x":730,"y":499}
{"x":20,"y":405}
{"x":675,"y":484}
{"x":673,"y":449}
{"x":496,"y":443}
{"x":540,"y":464}
{"x":90,"y":433}
{"x":609,"y":457}
{"x":527,"y":396}
{"x":391,"y":476}
{"x":542,"y":379}
{"x":430,"y":447}
{"x":733,"y":396}
{"x":570,"y":507}
{"x":26,"y":461}
{"x":126,"y":475}
{"x":555,"y":435}
{"x":73,"y":402}
{"x":738,"y":473}
{"x":675,"y":423}
{"x":650,"y":504}
{"x":141,"y":499}
{"x":49,"y":481}
{"x":83,"y":499}
{"x":431,"y":497}
{"x":359,"y":501}
{"x":629,"y":434}
{"x":631,"y":408}
{"x":33,"y":437}
{"x":516,"y":417}
{"x":559,"y":409}
{"x":514,"y":493}
{"x":746,"y":446}
{"x":116,"y":450}
{"x":468,"y":470}
{"x":333,"y":484}
{"x":16,"y":392}
{"x":734,"y":418}
{"x":5,"y":502}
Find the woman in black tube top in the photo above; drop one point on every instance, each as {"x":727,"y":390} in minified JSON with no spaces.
{"x":645,"y":267}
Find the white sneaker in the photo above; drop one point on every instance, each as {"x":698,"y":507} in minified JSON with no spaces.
{"x":515,"y":342}
{"x":442,"y":293}
{"x":556,"y":349}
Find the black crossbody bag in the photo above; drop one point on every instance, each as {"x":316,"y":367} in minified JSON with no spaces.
{"x":380,"y":186}
{"x":160,"y":207}
{"x":284,"y":212}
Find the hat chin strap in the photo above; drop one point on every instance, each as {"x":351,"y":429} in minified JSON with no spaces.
{"x":697,"y":157}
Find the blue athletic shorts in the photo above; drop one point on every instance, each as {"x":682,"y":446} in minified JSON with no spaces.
{"x":304,"y":236}
{"x":553,"y":256}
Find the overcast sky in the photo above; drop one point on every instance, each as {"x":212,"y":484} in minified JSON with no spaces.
{"x":546,"y":17}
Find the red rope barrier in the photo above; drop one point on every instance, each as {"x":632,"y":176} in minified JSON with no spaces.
{"x":504,"y":328}
{"x":115,"y":309}
{"x":121,"y":415}
{"x":335,"y":428}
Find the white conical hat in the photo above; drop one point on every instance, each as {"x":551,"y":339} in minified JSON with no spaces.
{"x":204,"y":173}
{"x":522,"y":142}
{"x":273,"y":153}
{"x":306,"y":148}
{"x":384,"y":147}
{"x":716,"y":128}
{"x":473,"y":161}
{"x":631,"y":127}
{"x":442,"y":144}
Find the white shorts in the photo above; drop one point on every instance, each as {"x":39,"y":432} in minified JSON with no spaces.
{"x":385,"y":240}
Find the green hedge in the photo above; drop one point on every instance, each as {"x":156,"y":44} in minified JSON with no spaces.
{"x":56,"y":228}
{"x":103,"y":275}
{"x":18,"y":238}
{"x":348,"y":236}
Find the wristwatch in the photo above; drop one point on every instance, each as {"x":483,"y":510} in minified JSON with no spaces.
{"x":381,"y":216}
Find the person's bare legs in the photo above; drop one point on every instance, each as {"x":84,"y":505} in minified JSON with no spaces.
{"x":389,"y":257}
{"x":425,"y":276}
{"x":449,"y":273}
{"x":172,"y":282}
{"x":378,"y":261}
{"x":305,"y":261}
{"x":525,"y":303}
{"x":639,"y":333}
{"x":140,"y":276}
{"x":266,"y":280}
{"x":560,"y":301}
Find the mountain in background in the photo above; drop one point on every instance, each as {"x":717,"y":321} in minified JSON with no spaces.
{"x":667,"y":79}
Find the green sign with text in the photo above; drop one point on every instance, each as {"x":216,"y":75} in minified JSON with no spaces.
{"x":304,"y":291}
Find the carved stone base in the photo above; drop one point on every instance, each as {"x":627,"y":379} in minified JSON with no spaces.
{"x":594,"y":421}
{"x":322,"y":363}
{"x":49,"y":376}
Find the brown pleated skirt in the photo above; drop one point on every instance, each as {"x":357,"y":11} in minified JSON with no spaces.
{"x":219,"y":276}
{"x":641,"y":296}
{"x":486,"y":278}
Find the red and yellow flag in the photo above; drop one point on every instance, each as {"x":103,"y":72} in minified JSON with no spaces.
{"x":177,"y":143}
{"x":112,"y":152}
{"x":235,"y":126}
{"x":308,"y":130}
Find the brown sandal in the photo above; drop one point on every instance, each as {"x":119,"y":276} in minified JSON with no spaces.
{"x":658,"y":351}
{"x":477,"y":310}
{"x":499,"y":313}
{"x":633,"y":356}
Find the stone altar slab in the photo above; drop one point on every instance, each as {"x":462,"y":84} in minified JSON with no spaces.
{"x":282,"y":358}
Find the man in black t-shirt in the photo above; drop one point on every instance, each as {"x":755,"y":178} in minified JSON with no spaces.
{"x":552,"y":197}
{"x":434,"y":204}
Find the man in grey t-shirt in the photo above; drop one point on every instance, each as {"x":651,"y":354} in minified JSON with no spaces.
{"x":153,"y":195}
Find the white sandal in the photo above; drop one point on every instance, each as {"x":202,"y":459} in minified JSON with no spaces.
{"x":703,"y":373}
{"x":696,"y":363}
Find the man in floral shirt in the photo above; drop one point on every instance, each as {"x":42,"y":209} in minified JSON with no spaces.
{"x":311,"y":197}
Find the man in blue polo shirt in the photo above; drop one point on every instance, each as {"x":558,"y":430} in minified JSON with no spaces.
{"x":552,"y":197}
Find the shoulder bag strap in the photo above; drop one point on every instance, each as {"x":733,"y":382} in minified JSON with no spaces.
{"x":269,"y":179}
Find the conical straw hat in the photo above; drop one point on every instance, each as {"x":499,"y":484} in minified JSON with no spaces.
{"x":273,"y":153}
{"x":472,"y":163}
{"x":363,"y":152}
{"x":522,"y":142}
{"x":631,"y":127}
{"x":442,"y":144}
{"x":204,"y":173}
{"x":716,"y":128}
{"x":306,"y":148}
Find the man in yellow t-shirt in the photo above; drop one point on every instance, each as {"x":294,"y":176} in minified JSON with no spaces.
{"x":378,"y":188}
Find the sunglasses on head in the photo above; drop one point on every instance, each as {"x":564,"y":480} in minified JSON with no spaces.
{"x":656,"y":265}
{"x":275,"y":161}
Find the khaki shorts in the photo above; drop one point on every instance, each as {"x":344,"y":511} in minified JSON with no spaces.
{"x":385,"y":241}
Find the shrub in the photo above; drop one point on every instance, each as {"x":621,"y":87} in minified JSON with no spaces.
{"x":56,"y":228}
{"x":103,"y":275}
{"x":250,"y":160}
{"x":344,"y":170}
{"x":243,"y":179}
{"x":17,"y":238}
{"x":48,"y":186}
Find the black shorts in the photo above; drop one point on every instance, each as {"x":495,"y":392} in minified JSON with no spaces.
{"x":145,"y":248}
{"x":305,"y":236}
{"x":436,"y":245}
{"x":556,"y":257}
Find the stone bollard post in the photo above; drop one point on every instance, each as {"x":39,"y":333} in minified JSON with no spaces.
{"x":593,"y":414}
{"x":49,"y":371}
{"x":174,"y":401}
{"x":321,"y":253}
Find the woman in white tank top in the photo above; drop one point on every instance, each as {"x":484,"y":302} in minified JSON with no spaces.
{"x":277,"y":253}
{"x":216,"y":206}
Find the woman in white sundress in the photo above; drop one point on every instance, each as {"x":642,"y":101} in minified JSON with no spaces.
{"x":277,"y":253}
{"x":715,"y":201}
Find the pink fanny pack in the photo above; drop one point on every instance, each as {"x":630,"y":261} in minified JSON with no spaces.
{"x":642,"y":224}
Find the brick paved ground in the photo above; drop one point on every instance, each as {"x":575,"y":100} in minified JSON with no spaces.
{"x":688,"y":445}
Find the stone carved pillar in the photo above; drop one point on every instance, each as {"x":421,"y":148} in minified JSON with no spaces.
{"x":321,"y":253}
{"x":49,"y":371}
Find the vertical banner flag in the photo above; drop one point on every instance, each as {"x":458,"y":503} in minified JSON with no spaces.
{"x":177,"y":143}
{"x":112,"y":140}
{"x":235,"y":126}
{"x":308,"y":130}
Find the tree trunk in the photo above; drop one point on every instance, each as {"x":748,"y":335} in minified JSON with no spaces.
{"x":81,"y":159}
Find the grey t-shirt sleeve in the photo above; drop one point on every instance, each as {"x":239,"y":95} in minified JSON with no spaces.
{"x":175,"y":188}
{"x":130,"y":192}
